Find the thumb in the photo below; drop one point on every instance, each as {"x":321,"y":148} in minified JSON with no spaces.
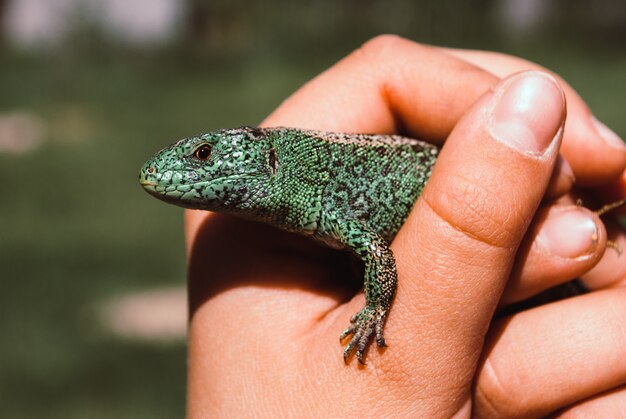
{"x":456,"y":251}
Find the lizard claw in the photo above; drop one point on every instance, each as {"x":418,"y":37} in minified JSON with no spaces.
{"x":364,"y":324}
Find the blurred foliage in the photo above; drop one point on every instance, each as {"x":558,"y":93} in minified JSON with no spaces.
{"x":76,"y":229}
{"x":298,"y":26}
{"x":308,"y":26}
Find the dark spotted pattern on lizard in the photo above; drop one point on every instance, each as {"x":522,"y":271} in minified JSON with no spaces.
{"x":350,"y":191}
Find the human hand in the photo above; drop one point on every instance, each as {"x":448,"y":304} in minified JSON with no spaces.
{"x":585,"y":135}
{"x":272,"y":305}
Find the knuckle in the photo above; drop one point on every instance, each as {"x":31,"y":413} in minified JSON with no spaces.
{"x":385,"y":45}
{"x":496,"y":397}
{"x":471,"y":206}
{"x":382,"y":42}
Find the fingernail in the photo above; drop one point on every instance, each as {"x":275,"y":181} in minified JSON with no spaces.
{"x":570,"y":233}
{"x":529,"y":112}
{"x":611,"y":138}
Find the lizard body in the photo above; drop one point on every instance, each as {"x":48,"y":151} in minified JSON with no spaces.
{"x":350,"y":191}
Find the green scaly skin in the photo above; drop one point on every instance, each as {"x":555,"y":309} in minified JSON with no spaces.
{"x":350,"y":191}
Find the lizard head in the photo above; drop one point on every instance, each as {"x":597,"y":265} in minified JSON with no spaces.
{"x":216,"y":170}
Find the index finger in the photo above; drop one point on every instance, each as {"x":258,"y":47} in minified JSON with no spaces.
{"x":389,"y":85}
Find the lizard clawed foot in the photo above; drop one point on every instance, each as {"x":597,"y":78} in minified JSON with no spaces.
{"x":364,"y":324}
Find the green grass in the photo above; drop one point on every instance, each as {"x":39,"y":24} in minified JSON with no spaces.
{"x":76,"y":229}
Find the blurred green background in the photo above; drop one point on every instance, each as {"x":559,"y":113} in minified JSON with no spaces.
{"x":89,"y":89}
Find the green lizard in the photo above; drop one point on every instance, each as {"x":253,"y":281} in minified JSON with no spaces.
{"x":350,"y":191}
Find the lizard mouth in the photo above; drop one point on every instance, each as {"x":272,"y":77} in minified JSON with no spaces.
{"x":179,"y":192}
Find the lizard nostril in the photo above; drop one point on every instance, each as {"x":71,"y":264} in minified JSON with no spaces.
{"x":150,"y":169}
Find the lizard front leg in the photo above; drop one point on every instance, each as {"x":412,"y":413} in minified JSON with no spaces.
{"x":380,"y":281}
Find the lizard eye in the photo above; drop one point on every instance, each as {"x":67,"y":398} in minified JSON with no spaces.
{"x":203,"y":152}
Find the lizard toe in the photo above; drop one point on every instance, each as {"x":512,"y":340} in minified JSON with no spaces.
{"x":366,"y":322}
{"x":349,"y":331}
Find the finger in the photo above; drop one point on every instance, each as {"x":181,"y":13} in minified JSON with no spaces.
{"x":543,"y":359}
{"x":584,"y":135}
{"x":456,"y":250}
{"x":606,"y":405}
{"x":387,"y":86}
{"x":564,"y":242}
{"x":561,"y":181}
{"x":611,"y":269}
{"x":612,"y":192}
